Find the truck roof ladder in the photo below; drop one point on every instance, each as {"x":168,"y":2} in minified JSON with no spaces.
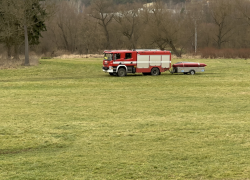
{"x":147,"y":50}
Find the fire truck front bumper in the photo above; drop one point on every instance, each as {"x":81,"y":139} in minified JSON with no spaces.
{"x":109,"y":69}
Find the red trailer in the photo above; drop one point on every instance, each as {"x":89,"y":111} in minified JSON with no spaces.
{"x":146,"y":61}
{"x":188,"y":67}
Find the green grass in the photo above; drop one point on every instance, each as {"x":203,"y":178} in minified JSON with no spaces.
{"x":66,"y":119}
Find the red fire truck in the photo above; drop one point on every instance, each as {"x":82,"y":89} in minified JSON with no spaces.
{"x":146,"y":61}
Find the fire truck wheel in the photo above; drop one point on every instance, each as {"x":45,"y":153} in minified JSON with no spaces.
{"x":155,"y":72}
{"x":121,"y":72}
{"x":192,"y":72}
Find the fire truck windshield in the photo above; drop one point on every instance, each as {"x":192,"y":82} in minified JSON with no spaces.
{"x":108,"y":56}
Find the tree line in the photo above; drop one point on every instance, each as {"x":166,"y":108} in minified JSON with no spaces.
{"x":180,"y":26}
{"x":88,"y":2}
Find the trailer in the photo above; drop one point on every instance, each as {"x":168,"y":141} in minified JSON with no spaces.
{"x":145,"y":61}
{"x":188,"y":67}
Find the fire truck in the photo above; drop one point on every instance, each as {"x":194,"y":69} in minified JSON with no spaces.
{"x":145,"y":61}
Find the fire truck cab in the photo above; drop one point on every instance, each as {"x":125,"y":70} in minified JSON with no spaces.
{"x":145,"y":61}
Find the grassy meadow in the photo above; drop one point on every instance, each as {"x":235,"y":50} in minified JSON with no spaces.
{"x":66,"y":119}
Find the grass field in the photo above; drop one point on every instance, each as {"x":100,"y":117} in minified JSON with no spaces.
{"x":66,"y":119}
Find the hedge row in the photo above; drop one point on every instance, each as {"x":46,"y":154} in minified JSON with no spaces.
{"x":225,"y":53}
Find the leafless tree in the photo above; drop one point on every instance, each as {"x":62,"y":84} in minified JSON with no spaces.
{"x":68,"y":25}
{"x":91,"y":36}
{"x":103,"y":12}
{"x":128,"y":19}
{"x":164,"y":27}
{"x":222,"y":15}
{"x":243,"y":7}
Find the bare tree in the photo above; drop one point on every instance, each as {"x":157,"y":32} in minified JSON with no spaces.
{"x":164,"y":27}
{"x":69,"y":25}
{"x":103,"y":12}
{"x":128,"y":18}
{"x":91,"y":35}
{"x":243,"y":7}
{"x":221,"y":12}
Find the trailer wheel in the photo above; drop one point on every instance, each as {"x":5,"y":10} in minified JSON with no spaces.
{"x":121,"y":72}
{"x":155,"y":72}
{"x":192,"y":72}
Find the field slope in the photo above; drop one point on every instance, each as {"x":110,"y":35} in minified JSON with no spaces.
{"x":66,"y":119}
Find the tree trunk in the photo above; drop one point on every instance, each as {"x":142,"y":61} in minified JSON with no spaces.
{"x":107,"y":36}
{"x":8,"y":52}
{"x":16,"y":52}
{"x":64,"y":36}
{"x":27,"y":61}
{"x":178,"y":54}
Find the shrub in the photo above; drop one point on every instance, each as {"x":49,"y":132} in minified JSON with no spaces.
{"x":43,"y":57}
{"x":225,"y":53}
